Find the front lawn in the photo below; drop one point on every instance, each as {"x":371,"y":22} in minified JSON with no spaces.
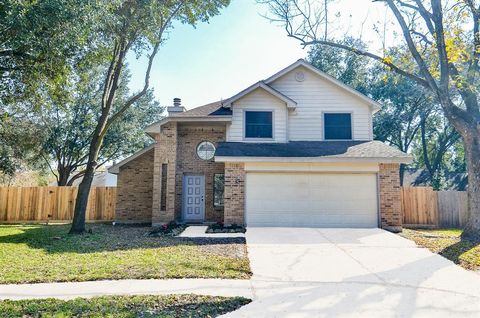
{"x":123,"y":306}
{"x":448,"y":244}
{"x":46,"y":253}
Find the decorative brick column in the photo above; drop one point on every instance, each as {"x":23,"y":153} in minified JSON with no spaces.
{"x":165,"y":153}
{"x":390,"y":204}
{"x":234,"y":195}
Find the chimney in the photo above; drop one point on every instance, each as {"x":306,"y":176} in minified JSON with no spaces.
{"x":176,"y":108}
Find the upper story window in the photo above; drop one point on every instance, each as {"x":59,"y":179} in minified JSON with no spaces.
{"x":337,"y":126}
{"x":258,"y":124}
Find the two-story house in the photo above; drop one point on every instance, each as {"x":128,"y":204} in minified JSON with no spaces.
{"x":295,"y":149}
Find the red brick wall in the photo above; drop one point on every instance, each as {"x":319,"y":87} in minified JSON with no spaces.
{"x":134,"y":190}
{"x":234,"y":193}
{"x":390,"y":204}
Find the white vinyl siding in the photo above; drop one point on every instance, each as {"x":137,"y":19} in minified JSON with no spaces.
{"x":307,"y":199}
{"x":258,"y":100}
{"x":315,"y":96}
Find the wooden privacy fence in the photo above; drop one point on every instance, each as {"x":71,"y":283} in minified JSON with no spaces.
{"x":19,"y":204}
{"x":423,"y":207}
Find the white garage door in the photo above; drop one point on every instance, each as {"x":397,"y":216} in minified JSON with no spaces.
{"x":311,"y":200}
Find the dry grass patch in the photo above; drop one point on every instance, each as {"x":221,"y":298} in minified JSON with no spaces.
{"x":449,"y":244}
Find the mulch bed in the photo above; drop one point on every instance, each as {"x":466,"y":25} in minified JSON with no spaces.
{"x":221,"y":228}
{"x":170,"y":229}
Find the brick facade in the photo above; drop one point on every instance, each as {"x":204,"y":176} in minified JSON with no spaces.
{"x":140,"y":181}
{"x":134,"y":190}
{"x":390,"y":205}
{"x":188,"y":163}
{"x":234,"y":193}
{"x":165,"y":153}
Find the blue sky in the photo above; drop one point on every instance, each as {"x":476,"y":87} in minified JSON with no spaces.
{"x":216,"y":60}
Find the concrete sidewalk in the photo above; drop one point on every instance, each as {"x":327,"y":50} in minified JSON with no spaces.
{"x":213,"y":287}
{"x":196,"y":231}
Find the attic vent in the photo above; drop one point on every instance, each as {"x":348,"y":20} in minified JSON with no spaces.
{"x":299,"y":76}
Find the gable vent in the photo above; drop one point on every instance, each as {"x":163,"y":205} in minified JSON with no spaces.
{"x":299,"y":76}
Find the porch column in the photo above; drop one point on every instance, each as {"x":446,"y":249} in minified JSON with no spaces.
{"x":164,"y":169}
{"x":234,"y":195}
{"x":390,"y":204}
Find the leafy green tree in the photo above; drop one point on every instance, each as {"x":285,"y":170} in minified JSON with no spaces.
{"x":437,"y":137}
{"x":18,"y":140}
{"x":349,"y":68}
{"x":68,"y":127}
{"x":137,"y":26}
{"x":398,"y":122}
{"x":37,"y":41}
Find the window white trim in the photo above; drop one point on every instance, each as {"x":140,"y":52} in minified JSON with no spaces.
{"x":244,"y":124}
{"x":338,"y":112}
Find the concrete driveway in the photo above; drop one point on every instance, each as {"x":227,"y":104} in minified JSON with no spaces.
{"x":301,"y":272}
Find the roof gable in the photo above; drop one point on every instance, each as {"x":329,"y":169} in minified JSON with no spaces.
{"x":301,"y":62}
{"x":115,"y":169}
{"x":288,"y":101}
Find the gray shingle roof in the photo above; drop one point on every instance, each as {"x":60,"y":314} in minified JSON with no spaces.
{"x":212,"y":109}
{"x":312,"y":149}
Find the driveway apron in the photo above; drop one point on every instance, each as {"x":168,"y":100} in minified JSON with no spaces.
{"x":309,"y":272}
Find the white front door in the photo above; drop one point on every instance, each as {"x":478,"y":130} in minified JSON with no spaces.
{"x":311,"y":199}
{"x":193,"y":198}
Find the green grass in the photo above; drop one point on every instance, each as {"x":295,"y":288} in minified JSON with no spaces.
{"x":123,"y":307}
{"x":449,"y":244}
{"x":46,"y":253}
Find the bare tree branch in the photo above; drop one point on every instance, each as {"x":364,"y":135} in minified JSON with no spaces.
{"x":411,"y":45}
{"x":137,"y":96}
{"x":380,"y":59}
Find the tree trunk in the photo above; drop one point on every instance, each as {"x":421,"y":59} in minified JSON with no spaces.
{"x":472,"y":153}
{"x":78,"y":223}
{"x":63,"y":176}
{"x":111,"y":85}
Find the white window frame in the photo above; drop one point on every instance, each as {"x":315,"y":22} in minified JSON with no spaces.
{"x":338,"y":112}
{"x":244,"y":125}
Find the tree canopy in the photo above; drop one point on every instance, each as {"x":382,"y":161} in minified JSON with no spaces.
{"x":67,"y":128}
{"x":38,"y":39}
